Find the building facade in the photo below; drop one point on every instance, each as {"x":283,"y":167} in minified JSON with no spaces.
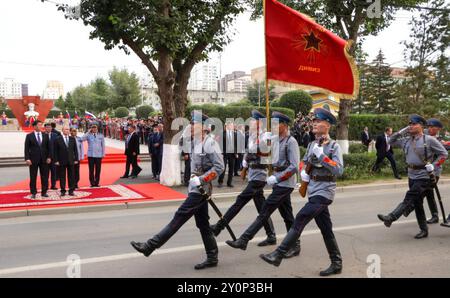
{"x":10,"y":88}
{"x":53,"y":90}
{"x":204,"y":77}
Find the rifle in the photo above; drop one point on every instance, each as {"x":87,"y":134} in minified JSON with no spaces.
{"x":309,"y":167}
{"x":438,"y":194}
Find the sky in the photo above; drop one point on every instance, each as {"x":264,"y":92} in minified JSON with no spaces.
{"x":38,"y":44}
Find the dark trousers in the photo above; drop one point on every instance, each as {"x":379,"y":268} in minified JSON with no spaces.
{"x":69,"y":170}
{"x":76,"y":173}
{"x":156,"y":164}
{"x":414,"y":201}
{"x":432,"y":201}
{"x":43,"y":171}
{"x":195,"y":205}
{"x":279,"y":198}
{"x":229,"y":160}
{"x":53,"y":169}
{"x":95,"y":167}
{"x":132,"y":160}
{"x":187,"y":170}
{"x":238,"y":164}
{"x":391,"y":159}
{"x":255,"y":191}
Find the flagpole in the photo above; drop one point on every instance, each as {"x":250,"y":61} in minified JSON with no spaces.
{"x":265,"y":69}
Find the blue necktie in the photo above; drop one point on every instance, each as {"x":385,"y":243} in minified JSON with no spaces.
{"x":39,"y":138}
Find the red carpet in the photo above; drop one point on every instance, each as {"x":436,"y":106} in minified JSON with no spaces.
{"x":156,"y":191}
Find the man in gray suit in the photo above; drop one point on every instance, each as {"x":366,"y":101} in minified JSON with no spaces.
{"x":96,"y":151}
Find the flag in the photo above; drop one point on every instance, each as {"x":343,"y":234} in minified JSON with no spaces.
{"x":76,"y":115}
{"x":89,"y":115}
{"x":67,"y":115}
{"x":300,"y":52}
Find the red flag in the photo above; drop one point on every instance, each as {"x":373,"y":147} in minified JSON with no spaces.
{"x":301,"y":52}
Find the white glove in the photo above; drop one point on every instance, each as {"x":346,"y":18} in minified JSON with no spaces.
{"x":244,"y":163}
{"x":271,"y":180}
{"x":266,"y":136}
{"x":195,"y":181}
{"x":403,"y":130}
{"x":429,"y":167}
{"x":304,"y":176}
{"x":318,"y":151}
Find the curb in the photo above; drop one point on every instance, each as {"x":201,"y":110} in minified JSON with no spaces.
{"x":225,"y":197}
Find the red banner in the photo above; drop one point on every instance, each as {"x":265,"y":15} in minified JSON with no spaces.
{"x":301,"y":52}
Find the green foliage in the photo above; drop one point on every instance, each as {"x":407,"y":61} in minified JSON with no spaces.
{"x":100,"y":94}
{"x":242,"y":102}
{"x":375,"y":123}
{"x":121,"y":112}
{"x":60,"y":104}
{"x":224,"y":112}
{"x":256,"y":93}
{"x":125,"y":89}
{"x":143,"y":112}
{"x":357,"y":148}
{"x":297,"y":100}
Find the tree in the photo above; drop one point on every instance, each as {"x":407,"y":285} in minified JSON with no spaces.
{"x":380,"y":86}
{"x":297,"y":100}
{"x":351,"y":20}
{"x":170,"y":37}
{"x":60,"y":104}
{"x":256,"y":93}
{"x":101,"y":95}
{"x":82,"y":99}
{"x":125,"y":89}
{"x":69,"y":105}
{"x":121,"y":112}
{"x":143,"y":112}
{"x":360,"y":103}
{"x":427,"y":72}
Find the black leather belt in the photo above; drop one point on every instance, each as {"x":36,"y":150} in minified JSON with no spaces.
{"x":279,"y":169}
{"x":261,"y":167}
{"x":415,"y":167}
{"x":324,"y":178}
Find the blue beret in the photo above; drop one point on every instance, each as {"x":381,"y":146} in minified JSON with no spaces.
{"x":434,"y":122}
{"x":257,"y":115}
{"x":197,"y":117}
{"x":414,"y":118}
{"x":323,"y":114}
{"x":281,"y":117}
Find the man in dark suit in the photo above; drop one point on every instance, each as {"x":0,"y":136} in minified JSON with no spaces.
{"x":384,"y":150}
{"x":53,"y":169}
{"x":155,"y":146}
{"x":229,"y":145}
{"x":38,"y":156}
{"x":365,"y":137}
{"x":66,"y":156}
{"x":132,"y":152}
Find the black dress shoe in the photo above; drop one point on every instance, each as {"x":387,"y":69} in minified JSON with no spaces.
{"x":133,"y":177}
{"x":433,"y":220}
{"x":386,"y":219}
{"x":230,"y":185}
{"x":142,"y":247}
{"x":33,"y":196}
{"x":54,"y":188}
{"x":138,"y":171}
{"x":71,"y":193}
{"x":335,"y":268}
{"x":63,"y":193}
{"x":268,"y":241}
{"x":44,"y":195}
{"x":239,"y":243}
{"x":273,"y":258}
{"x":422,"y":234}
{"x":123,"y":177}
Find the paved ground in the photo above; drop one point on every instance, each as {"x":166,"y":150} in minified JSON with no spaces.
{"x":102,"y":241}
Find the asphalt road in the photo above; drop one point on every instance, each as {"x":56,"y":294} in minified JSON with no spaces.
{"x":39,"y":246}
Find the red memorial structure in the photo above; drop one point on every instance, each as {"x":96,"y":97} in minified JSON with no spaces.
{"x":29,"y":109}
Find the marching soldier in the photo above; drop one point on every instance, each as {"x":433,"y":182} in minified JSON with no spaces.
{"x":327,"y":164}
{"x":207,"y":164}
{"x":424,"y":155}
{"x":434,"y":126}
{"x":286,"y":156}
{"x":257,"y":174}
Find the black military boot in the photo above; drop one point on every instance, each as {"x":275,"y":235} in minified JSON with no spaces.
{"x":335,"y":257}
{"x":434,"y":219}
{"x":270,"y":240}
{"x":293,"y":251}
{"x":422,"y":234}
{"x":273,"y":258}
{"x":212,"y":252}
{"x":393,"y":216}
{"x":143,"y":247}
{"x":238,"y":243}
{"x":218,"y":227}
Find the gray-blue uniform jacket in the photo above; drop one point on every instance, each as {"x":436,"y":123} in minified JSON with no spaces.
{"x":289,"y":158}
{"x":252,"y":158}
{"x":206,"y":162}
{"x":96,"y":144}
{"x":330,"y":163}
{"x":415,"y":153}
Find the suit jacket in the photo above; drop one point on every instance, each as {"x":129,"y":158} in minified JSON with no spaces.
{"x":66,"y":155}
{"x":35,"y":152}
{"x":364,"y":139}
{"x":155,"y":138}
{"x":380,"y":145}
{"x":224,"y":142}
{"x":133,"y":144}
